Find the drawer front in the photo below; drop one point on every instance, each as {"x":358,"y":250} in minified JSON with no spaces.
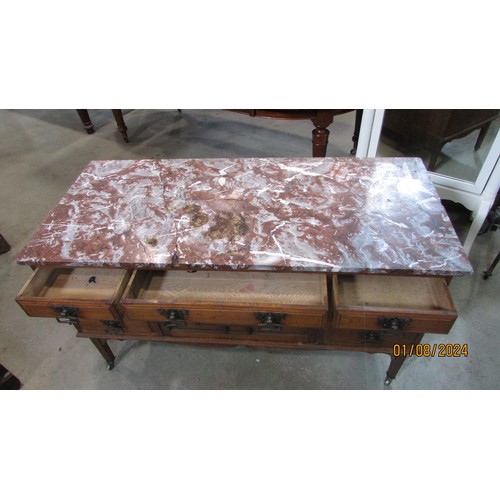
{"x":370,"y":338}
{"x":243,"y":334}
{"x":402,"y":321}
{"x":73,"y":294}
{"x":392,"y":303}
{"x":267,"y":301}
{"x":98,"y":325}
{"x":113,"y":326}
{"x":262,"y":320}
{"x":68,"y":311}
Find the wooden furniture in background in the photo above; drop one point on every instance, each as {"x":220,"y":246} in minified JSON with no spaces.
{"x":4,"y":246}
{"x":8,"y":381}
{"x":321,"y":118}
{"x":89,"y":126}
{"x":433,"y":128}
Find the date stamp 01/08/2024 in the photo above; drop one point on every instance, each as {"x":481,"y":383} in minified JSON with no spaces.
{"x":431,"y":350}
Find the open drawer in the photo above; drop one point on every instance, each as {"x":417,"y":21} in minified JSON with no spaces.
{"x":401,"y":303}
{"x":70,"y":294}
{"x":267,"y":301}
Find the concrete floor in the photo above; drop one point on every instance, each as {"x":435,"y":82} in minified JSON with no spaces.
{"x":42,"y":153}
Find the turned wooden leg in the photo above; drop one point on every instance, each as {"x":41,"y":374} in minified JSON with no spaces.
{"x":397,"y":362}
{"x":433,"y":159}
{"x":120,"y":123}
{"x":84,"y":116}
{"x":489,"y":271}
{"x":357,"y":128}
{"x":4,"y":246}
{"x":320,"y":134}
{"x":480,"y":138}
{"x":103,"y":347}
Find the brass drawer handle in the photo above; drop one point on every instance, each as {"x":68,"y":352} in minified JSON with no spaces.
{"x":113,"y":326}
{"x":270,"y":322}
{"x":393,"y":323}
{"x":248,"y":331}
{"x":371,"y":336}
{"x":174,"y":316}
{"x":68,"y":315}
{"x":376,"y":336}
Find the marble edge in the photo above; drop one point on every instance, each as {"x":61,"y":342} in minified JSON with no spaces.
{"x":263,"y":268}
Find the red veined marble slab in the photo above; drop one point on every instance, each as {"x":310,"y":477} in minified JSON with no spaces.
{"x":379,"y":215}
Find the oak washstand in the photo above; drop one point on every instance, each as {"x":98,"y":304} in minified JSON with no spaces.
{"x":303,"y":253}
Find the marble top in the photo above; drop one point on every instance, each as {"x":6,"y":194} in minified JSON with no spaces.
{"x":372,"y":215}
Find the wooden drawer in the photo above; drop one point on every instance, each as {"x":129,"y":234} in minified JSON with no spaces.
{"x":100,"y":325}
{"x":400,"y":303}
{"x":71,"y":294}
{"x":266,"y":301}
{"x":120,"y":326}
{"x":370,"y":338}
{"x":245,"y":334}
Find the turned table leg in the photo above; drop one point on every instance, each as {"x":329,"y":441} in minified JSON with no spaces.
{"x":120,"y":123}
{"x":480,"y":138}
{"x":489,"y":271}
{"x":320,"y":134}
{"x":84,"y":116}
{"x":103,"y":347}
{"x":397,"y":362}
{"x":434,"y":157}
{"x":357,"y":128}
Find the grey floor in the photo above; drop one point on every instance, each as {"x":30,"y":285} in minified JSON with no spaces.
{"x":42,"y":153}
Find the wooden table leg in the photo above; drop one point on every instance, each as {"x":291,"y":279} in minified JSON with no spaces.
{"x":4,"y":246}
{"x":320,"y":134}
{"x":103,"y":347}
{"x":434,"y":157}
{"x":489,"y":271}
{"x":84,"y":116}
{"x":397,"y":362}
{"x":482,"y":133}
{"x":120,"y":123}
{"x":357,"y":128}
